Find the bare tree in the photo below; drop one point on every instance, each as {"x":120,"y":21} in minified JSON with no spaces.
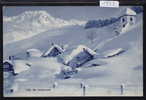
{"x":91,"y":36}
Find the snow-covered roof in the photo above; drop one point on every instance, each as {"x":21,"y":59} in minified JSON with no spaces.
{"x":9,"y":61}
{"x":78,"y":50}
{"x":34,"y":52}
{"x":128,"y":11}
{"x":20,"y":65}
{"x":112,"y":52}
{"x":54,"y":46}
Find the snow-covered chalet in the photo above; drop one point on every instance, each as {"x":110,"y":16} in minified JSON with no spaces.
{"x":127,"y":18}
{"x":15,"y":66}
{"x":8,"y":66}
{"x":79,"y":56}
{"x":53,"y":51}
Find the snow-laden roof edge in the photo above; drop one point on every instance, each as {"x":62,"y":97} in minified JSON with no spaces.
{"x":112,"y":52}
{"x":33,"y":50}
{"x":9,"y":61}
{"x":129,"y":11}
{"x":76,"y":51}
{"x":54,"y":46}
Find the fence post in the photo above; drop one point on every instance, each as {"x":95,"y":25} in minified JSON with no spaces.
{"x":81,"y":85}
{"x":84,"y":90}
{"x":55,"y":84}
{"x":122,"y":89}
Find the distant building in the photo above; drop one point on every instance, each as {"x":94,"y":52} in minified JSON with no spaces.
{"x":8,"y":66}
{"x":79,"y":56}
{"x":53,"y":51}
{"x":127,"y":19}
{"x":33,"y":53}
{"x":15,"y":66}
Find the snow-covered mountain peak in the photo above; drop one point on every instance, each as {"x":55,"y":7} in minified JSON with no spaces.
{"x":30,"y":23}
{"x":28,"y":15}
{"x":34,"y":18}
{"x":40,"y":17}
{"x":40,"y":12}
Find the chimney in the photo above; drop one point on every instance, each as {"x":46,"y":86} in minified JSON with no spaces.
{"x":62,"y":46}
{"x":10,"y":57}
{"x":52,"y":43}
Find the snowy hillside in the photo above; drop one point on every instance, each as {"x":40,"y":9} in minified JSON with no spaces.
{"x":118,"y":59}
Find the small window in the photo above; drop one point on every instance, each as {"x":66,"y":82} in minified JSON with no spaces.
{"x":78,"y":58}
{"x":123,"y":20}
{"x":131,"y":19}
{"x":124,"y":25}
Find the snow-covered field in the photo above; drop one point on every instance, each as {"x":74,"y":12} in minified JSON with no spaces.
{"x":102,"y":76}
